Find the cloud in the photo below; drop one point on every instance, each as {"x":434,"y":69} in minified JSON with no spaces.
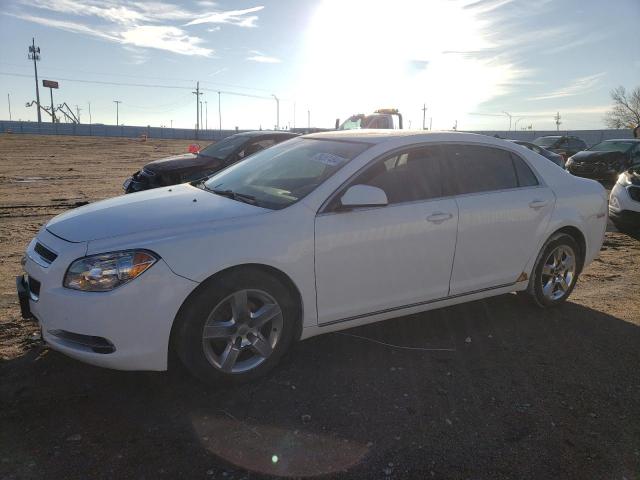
{"x":172,"y":39}
{"x":257,"y":56}
{"x":577,"y":87}
{"x":144,"y":24}
{"x":233,"y":17}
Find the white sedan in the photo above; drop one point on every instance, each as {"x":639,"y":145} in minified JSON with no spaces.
{"x":317,"y":234}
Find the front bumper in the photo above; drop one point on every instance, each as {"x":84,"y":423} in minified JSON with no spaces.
{"x":125,"y":329}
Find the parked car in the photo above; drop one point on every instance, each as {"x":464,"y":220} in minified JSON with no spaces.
{"x":322,"y":233}
{"x":564,"y":145}
{"x":624,"y":201}
{"x":554,"y":157}
{"x":606,"y":160}
{"x":192,"y":166}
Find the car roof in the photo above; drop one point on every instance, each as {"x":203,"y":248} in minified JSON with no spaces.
{"x":376,"y":136}
{"x":270,"y":133}
{"x":633,"y":140}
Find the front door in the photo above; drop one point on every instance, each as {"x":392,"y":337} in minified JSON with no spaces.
{"x":383,"y":258}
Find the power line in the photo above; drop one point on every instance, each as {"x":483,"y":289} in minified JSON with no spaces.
{"x":142,"y":85}
{"x":190,"y":80}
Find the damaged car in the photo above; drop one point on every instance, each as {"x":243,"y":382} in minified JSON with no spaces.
{"x":606,"y":160}
{"x":202,"y":163}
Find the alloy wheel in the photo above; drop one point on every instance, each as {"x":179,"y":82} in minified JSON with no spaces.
{"x":558,"y":272}
{"x":242,"y":331}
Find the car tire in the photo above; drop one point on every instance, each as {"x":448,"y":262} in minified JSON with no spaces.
{"x":555,"y":272}
{"x":237,"y":327}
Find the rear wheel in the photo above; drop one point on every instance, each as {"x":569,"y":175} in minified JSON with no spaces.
{"x":236,"y":328}
{"x":556,"y":271}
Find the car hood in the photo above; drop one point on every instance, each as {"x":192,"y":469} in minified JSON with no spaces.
{"x":589,"y":157}
{"x":178,"y":162}
{"x":177,"y":206}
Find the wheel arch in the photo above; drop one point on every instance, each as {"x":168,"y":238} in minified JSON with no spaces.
{"x":579,"y":237}
{"x":273,"y":271}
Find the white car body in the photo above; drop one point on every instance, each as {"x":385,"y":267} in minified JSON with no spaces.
{"x":349,"y":269}
{"x":624,"y":200}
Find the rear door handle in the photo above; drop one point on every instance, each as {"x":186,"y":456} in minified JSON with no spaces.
{"x":439,"y":217}
{"x":536,"y":204}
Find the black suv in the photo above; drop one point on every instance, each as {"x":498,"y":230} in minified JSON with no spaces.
{"x":565,"y":145}
{"x":209,"y":160}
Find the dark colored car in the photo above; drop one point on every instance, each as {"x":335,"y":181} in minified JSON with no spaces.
{"x":606,"y":160}
{"x":209,"y":160}
{"x":554,"y":157}
{"x":565,"y":145}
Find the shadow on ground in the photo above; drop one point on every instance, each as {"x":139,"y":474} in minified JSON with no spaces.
{"x":525,"y":393}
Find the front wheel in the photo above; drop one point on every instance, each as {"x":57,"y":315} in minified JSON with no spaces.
{"x":236,"y":328}
{"x":556,"y":271}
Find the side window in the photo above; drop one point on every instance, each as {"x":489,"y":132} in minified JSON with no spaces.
{"x":255,"y":147}
{"x":479,"y":169}
{"x":407,"y":176}
{"x":526,"y":177}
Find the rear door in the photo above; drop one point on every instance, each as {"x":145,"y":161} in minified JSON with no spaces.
{"x":377,"y":259}
{"x":503,"y":210}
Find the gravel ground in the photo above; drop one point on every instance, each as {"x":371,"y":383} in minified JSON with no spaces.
{"x":490,"y":389}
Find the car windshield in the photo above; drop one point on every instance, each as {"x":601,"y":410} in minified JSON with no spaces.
{"x":283,"y":174}
{"x":546,"y":141}
{"x":224,"y":147}
{"x":613,"y":146}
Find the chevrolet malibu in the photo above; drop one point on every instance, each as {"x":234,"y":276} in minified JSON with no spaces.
{"x":317,"y":234}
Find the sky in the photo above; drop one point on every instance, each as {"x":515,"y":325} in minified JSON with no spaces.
{"x":477,"y":64}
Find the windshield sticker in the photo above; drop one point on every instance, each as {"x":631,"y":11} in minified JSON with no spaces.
{"x":328,"y":159}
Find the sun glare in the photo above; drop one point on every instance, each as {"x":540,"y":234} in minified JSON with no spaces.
{"x":362,"y":54}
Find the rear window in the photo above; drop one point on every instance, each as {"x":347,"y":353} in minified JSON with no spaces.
{"x":479,"y":169}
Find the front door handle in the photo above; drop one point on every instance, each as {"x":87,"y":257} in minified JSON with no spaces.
{"x":439,"y":217}
{"x":536,"y":204}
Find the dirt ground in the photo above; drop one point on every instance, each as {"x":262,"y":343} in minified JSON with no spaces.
{"x":510,"y":391}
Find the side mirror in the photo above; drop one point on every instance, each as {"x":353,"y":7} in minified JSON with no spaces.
{"x":363,"y":196}
{"x":194,"y":148}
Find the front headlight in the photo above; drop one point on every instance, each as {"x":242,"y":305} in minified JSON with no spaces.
{"x":106,"y":271}
{"x":624,"y":179}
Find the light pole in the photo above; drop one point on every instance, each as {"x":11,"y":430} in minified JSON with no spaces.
{"x":308,"y":118}
{"x":9,"y":102}
{"x":219,"y":113}
{"x":89,"y":113}
{"x":508,"y":115}
{"x":34,"y":54}
{"x":206,"y":116}
{"x":117,"y":102}
{"x":277,"y":111}
{"x":519,"y":118}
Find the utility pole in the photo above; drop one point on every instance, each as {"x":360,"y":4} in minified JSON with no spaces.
{"x":9,"y":102}
{"x":197,"y":94}
{"x":90,"y":122}
{"x":277,"y":111}
{"x":424,"y":115}
{"x":558,"y":122}
{"x":201,"y":122}
{"x":508,"y":115}
{"x":206,"y":116}
{"x":34,"y":54}
{"x":219,"y":113}
{"x":171,"y":123}
{"x":308,"y":118}
{"x":430,"y":123}
{"x":294,"y":114}
{"x":117,"y":102}
{"x":78,"y":110}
